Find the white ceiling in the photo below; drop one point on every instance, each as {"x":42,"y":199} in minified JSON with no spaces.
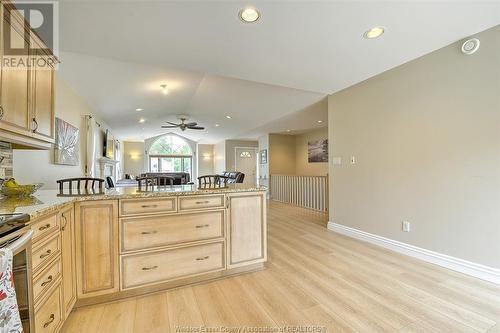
{"x":117,"y":53}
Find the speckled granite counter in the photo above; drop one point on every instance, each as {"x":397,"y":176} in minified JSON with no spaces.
{"x":47,"y":201}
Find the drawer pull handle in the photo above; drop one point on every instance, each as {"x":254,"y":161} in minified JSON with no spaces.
{"x":202,"y":226}
{"x":51,"y":320}
{"x":149,"y":232}
{"x":45,"y":227}
{"x":47,"y":253}
{"x":202,"y":202}
{"x":49,"y":280}
{"x":149,"y":206}
{"x":202,"y":258}
{"x":149,"y":268}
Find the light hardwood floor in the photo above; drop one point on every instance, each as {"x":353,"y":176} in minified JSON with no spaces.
{"x":313,"y":277}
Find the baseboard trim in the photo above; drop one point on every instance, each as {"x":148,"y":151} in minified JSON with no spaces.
{"x":463,"y":266}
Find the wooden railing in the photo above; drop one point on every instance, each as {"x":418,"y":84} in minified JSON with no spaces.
{"x":304,"y":191}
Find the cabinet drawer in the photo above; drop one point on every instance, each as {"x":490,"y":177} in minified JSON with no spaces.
{"x":48,"y":315}
{"x":43,"y":227}
{"x":46,"y":252}
{"x":161,"y":266}
{"x":150,"y":232}
{"x":148,"y":206}
{"x":46,"y":279}
{"x":201,"y":202}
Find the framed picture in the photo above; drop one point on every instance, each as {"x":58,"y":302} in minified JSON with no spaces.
{"x":317,"y":151}
{"x":263,"y":156}
{"x":66,"y":149}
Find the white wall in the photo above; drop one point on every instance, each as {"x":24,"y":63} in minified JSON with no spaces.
{"x":206,"y":161}
{"x":426,"y":137}
{"x":34,"y":166}
{"x":133,"y":159}
{"x":220,"y":157}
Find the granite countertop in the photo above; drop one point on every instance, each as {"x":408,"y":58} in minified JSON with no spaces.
{"x":47,"y":201}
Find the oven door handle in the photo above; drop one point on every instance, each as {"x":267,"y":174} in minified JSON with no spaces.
{"x":20,"y":242}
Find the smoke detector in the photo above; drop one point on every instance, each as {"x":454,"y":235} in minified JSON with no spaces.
{"x":470,"y":46}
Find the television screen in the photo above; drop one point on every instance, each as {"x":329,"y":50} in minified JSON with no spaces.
{"x":109,"y":145}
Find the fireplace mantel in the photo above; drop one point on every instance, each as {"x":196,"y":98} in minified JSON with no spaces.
{"x":108,"y":167}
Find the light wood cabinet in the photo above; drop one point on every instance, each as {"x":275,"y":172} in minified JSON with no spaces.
{"x":160,"y":266}
{"x":247,"y":234}
{"x":26,"y":92}
{"x":42,"y":106}
{"x":148,"y":206}
{"x":48,"y":315}
{"x":14,"y":82}
{"x":68,"y":258}
{"x":155,"y":231}
{"x":201,"y":202}
{"x":97,"y":249}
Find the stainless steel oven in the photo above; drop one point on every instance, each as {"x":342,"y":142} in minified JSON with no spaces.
{"x":19,"y":242}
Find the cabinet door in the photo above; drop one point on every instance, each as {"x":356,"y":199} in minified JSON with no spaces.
{"x":67,"y":223}
{"x":43,"y":101}
{"x":247,"y":229}
{"x":14,"y":83}
{"x":97,"y":248}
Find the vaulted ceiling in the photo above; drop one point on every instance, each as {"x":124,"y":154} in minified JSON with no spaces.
{"x":264,"y":75}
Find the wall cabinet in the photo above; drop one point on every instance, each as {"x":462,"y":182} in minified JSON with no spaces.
{"x":68,"y":256}
{"x":247,"y":234}
{"x":26,"y":92}
{"x":97,"y":250}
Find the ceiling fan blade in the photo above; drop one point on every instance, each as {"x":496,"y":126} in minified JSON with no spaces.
{"x":191,"y":124}
{"x":170,"y":126}
{"x":196,"y":127}
{"x":173,"y":124}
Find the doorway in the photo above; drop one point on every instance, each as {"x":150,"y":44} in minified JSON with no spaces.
{"x":246,"y":161}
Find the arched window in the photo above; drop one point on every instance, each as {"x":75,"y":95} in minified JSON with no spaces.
{"x":170,"y":153}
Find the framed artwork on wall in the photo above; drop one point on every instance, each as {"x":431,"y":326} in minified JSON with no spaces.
{"x":66,"y":149}
{"x":263,"y":156}
{"x":317,"y":151}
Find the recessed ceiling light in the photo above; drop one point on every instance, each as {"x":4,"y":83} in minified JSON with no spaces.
{"x":374,"y":32}
{"x":320,"y":121}
{"x":139,"y":109}
{"x":217,"y":125}
{"x":164,"y":88}
{"x":142,"y":120}
{"x":249,"y":15}
{"x":228,"y":117}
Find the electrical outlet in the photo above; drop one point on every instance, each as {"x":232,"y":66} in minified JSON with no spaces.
{"x":406,"y":226}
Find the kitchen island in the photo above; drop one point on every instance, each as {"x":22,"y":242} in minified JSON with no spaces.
{"x":125,"y":242}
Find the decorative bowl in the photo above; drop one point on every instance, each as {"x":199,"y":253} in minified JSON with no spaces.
{"x":20,"y":190}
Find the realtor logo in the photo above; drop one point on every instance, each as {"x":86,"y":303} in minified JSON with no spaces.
{"x":30,"y":28}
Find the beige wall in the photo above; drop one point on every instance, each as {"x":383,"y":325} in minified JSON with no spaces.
{"x":302,"y":165}
{"x":426,"y":137}
{"x":37,"y":166}
{"x":264,"y":168}
{"x":281,"y":155}
{"x":133,"y":159}
{"x":230,"y":152}
{"x":205,"y":159}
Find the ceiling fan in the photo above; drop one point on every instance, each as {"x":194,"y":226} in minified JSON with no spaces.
{"x":183,"y":126}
